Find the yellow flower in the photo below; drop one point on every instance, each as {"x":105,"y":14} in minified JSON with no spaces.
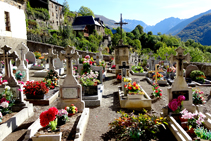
{"x":138,"y":88}
{"x":134,"y":88}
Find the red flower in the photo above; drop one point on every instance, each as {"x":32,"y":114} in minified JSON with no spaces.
{"x":72,"y":104}
{"x":160,"y":94}
{"x":47,"y":116}
{"x":43,"y":117}
{"x":156,"y":91}
{"x":134,"y":83}
{"x":130,"y":88}
{"x":125,"y":86}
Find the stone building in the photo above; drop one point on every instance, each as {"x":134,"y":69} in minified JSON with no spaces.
{"x":54,"y":8}
{"x":87,"y":25}
{"x":12,"y":23}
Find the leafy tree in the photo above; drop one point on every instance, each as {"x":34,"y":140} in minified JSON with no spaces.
{"x":130,"y":35}
{"x":108,"y":32}
{"x":85,"y":11}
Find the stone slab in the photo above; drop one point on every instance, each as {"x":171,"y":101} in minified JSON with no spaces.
{"x":16,"y":120}
{"x":37,"y":67}
{"x":96,"y":100}
{"x":136,"y":104}
{"x":138,"y":74}
{"x":43,"y":73}
{"x":203,"y":85}
{"x":44,"y":102}
{"x":192,"y":84}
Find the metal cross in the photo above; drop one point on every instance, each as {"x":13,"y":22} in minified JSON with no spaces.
{"x":121,"y":23}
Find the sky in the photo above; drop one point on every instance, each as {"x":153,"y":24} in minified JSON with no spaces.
{"x":148,"y":11}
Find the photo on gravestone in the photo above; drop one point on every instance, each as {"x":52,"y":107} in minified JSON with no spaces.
{"x":175,"y":94}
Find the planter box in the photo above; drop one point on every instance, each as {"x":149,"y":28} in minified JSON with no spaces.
{"x":47,"y":100}
{"x":15,"y":121}
{"x":80,"y":130}
{"x":136,"y":104}
{"x":138,"y":74}
{"x":136,"y":96}
{"x":180,"y":133}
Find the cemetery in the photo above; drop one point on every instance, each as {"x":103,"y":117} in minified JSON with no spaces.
{"x":63,"y":93}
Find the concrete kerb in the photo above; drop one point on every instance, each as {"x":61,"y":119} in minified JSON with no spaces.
{"x":16,"y":120}
{"x":138,"y":74}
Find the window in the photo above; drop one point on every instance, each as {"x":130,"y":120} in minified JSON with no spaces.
{"x":52,"y":14}
{"x":56,"y":8}
{"x":52,"y":5}
{"x":56,"y":15}
{"x":57,"y":23}
{"x":7,"y":21}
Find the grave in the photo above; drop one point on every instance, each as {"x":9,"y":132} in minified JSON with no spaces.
{"x":31,"y":57}
{"x":21,"y":50}
{"x":70,"y":90}
{"x":58,"y":64}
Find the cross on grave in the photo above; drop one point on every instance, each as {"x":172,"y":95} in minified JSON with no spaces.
{"x":156,"y":71}
{"x":166,"y":55}
{"x":121,"y":23}
{"x":99,"y":55}
{"x":152,"y":60}
{"x":69,"y":56}
{"x":21,"y":50}
{"x":150,"y":54}
{"x":158,"y":58}
{"x":179,"y":58}
{"x":136,"y":56}
{"x":124,"y":67}
{"x":50,"y":57}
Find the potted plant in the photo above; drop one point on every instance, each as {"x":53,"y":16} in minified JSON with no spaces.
{"x":89,"y":82}
{"x":203,"y":134}
{"x":159,"y":76}
{"x":86,"y":65}
{"x":137,"y":69}
{"x":72,"y":110}
{"x":198,"y":97}
{"x":37,"y":54}
{"x":62,"y":117}
{"x":48,"y":118}
{"x":198,"y":76}
{"x":35,"y":89}
{"x":157,"y":92}
{"x":20,"y":75}
{"x":134,"y":91}
{"x":51,"y":79}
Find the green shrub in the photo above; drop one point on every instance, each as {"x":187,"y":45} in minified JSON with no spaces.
{"x":196,"y":73}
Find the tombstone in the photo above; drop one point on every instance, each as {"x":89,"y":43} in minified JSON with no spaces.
{"x":58,"y":64}
{"x":136,"y":58}
{"x":179,"y":86}
{"x":189,"y":69}
{"x":151,"y":63}
{"x":50,"y":57}
{"x":31,"y":57}
{"x":21,"y":50}
{"x":124,"y":69}
{"x":70,"y":90}
{"x":99,"y":56}
{"x":12,"y":82}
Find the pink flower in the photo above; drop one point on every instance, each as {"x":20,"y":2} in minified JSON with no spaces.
{"x":20,"y":90}
{"x":4,"y":104}
{"x":156,"y":88}
{"x":20,"y":74}
{"x":1,"y":115}
{"x":181,"y":98}
{"x":173,"y":105}
{"x":184,"y":112}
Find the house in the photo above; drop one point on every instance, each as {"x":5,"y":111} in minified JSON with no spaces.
{"x":54,"y":8}
{"x":87,"y":25}
{"x":12,"y":23}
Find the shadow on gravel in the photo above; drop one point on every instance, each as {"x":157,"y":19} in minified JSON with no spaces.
{"x":116,"y":103}
{"x":109,"y":78}
{"x":107,"y":96}
{"x":116,"y":82}
{"x":208,"y":98}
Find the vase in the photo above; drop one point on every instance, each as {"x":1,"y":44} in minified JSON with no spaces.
{"x":61,"y":121}
{"x":31,"y":96}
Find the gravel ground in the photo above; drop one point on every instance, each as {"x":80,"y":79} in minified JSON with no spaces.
{"x":107,"y":112}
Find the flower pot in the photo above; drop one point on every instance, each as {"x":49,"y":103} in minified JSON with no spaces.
{"x":61,"y":121}
{"x":191,"y":131}
{"x":90,"y":90}
{"x":14,"y":71}
{"x":31,"y":96}
{"x":70,"y":114}
{"x":182,"y":119}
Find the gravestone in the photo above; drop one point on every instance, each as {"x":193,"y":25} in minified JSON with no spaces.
{"x":179,"y":86}
{"x":151,"y":63}
{"x":58,"y":64}
{"x":136,"y":59}
{"x":12,"y":82}
{"x":50,"y":57}
{"x":70,"y":90}
{"x":99,"y":56}
{"x":31,"y":57}
{"x":124,"y":69}
{"x":158,"y":60}
{"x":189,"y":69}
{"x":21,"y":50}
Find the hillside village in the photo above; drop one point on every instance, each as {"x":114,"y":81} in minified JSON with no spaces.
{"x":72,"y":75}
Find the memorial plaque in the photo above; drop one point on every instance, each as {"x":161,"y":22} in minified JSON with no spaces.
{"x":178,"y":93}
{"x":69,"y":93}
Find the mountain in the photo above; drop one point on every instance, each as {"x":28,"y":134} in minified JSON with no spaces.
{"x":132,"y":24}
{"x":176,"y":29}
{"x":107,"y":22}
{"x":164,"y":25}
{"x":199,"y":30}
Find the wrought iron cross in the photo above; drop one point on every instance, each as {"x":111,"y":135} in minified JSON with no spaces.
{"x":121,"y":23}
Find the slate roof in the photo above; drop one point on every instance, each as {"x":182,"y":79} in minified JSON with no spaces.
{"x":85,"y":20}
{"x":78,"y":27}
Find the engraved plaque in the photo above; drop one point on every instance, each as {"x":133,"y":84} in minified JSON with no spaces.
{"x":178,"y":93}
{"x":69,"y":93}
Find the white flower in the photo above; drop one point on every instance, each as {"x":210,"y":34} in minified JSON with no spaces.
{"x":1,"y":115}
{"x":7,"y":87}
{"x":5,"y":83}
{"x":4,"y":104}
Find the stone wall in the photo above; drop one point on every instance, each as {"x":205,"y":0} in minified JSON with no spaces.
{"x":20,"y":4}
{"x":43,"y":48}
{"x":204,"y":67}
{"x":11,"y":42}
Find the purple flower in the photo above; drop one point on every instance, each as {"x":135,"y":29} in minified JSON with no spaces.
{"x":173,"y":105}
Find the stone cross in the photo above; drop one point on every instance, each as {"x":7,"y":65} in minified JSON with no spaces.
{"x":179,"y":58}
{"x":99,"y":56}
{"x":150,"y":54}
{"x":21,"y":50}
{"x":50,"y":57}
{"x":121,"y":23}
{"x":69,"y":56}
{"x":166,"y":55}
{"x":156,"y":71}
{"x":136,"y":59}
{"x":124,"y":67}
{"x":151,"y":62}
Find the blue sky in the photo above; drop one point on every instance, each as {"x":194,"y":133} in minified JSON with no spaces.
{"x":148,"y":11}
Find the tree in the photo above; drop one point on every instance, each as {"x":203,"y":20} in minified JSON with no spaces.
{"x":108,"y":32}
{"x":85,"y":11}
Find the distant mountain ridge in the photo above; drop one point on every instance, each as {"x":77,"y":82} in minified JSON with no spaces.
{"x":198,"y":30}
{"x":176,"y":29}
